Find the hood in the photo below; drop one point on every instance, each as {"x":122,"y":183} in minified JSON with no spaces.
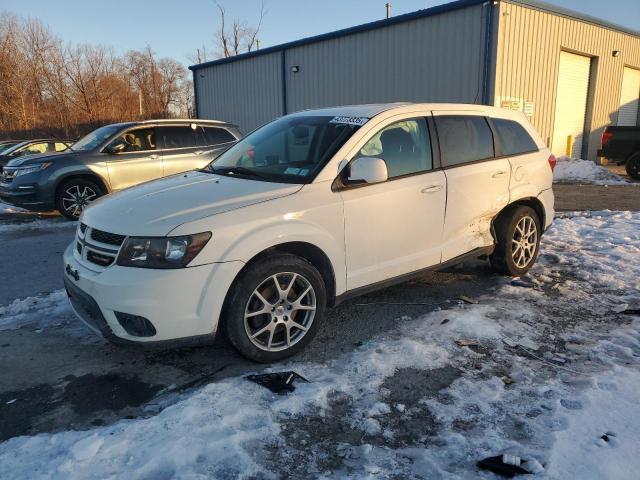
{"x":36,"y":158}
{"x":157,"y":207}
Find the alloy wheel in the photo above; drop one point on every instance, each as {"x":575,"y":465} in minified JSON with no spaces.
{"x":280,"y":311}
{"x":524,"y":242}
{"x":76,"y":198}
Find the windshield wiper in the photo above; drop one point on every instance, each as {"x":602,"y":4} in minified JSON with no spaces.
{"x":237,"y":171}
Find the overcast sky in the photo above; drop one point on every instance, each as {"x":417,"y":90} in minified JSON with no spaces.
{"x":175,"y":28}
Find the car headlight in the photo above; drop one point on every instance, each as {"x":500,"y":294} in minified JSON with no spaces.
{"x":161,"y":252}
{"x":31,"y":168}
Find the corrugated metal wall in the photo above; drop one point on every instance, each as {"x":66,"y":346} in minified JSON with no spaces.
{"x":437,"y":58}
{"x":527,"y":59}
{"x":247,"y":92}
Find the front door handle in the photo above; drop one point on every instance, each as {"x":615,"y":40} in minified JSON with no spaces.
{"x":431,"y":189}
{"x":501,"y":173}
{"x":198,"y":152}
{"x":154,"y":156}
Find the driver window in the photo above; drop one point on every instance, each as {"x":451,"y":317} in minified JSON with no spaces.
{"x":138,"y":140}
{"x":36,"y":148}
{"x":405,"y":147}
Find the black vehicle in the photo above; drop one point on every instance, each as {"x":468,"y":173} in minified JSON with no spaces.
{"x":32,"y":147}
{"x":112,"y":158}
{"x":622,"y":146}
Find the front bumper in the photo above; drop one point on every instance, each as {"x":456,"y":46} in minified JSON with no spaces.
{"x":30,"y":197}
{"x":181,"y":304}
{"x":547,"y":199}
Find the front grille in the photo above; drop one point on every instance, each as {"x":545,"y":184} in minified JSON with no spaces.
{"x":7,"y":175}
{"x":99,"y":259}
{"x":106,"y":237}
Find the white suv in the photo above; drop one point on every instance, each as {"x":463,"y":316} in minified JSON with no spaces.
{"x":306,"y":211}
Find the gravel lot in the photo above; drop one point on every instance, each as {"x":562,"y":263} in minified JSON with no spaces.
{"x":58,"y":377}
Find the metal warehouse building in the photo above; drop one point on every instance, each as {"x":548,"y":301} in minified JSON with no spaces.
{"x":571,"y":74}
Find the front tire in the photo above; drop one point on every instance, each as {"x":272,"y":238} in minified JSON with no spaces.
{"x":275,"y":308}
{"x":74,"y":195}
{"x":633,"y":166}
{"x":518,"y":233}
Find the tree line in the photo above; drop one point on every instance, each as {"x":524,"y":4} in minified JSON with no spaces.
{"x":49,"y":88}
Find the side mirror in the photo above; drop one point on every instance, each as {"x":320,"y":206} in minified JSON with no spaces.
{"x":368,"y":170}
{"x":118,"y":146}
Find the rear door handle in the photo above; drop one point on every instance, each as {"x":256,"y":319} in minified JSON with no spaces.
{"x":198,"y":152}
{"x":431,"y":189}
{"x":154,"y":156}
{"x":501,"y":173}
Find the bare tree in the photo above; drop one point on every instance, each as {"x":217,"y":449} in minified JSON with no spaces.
{"x":239,"y":37}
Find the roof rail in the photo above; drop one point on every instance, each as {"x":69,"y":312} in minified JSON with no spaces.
{"x":181,"y":120}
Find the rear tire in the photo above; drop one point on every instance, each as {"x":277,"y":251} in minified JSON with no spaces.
{"x":633,"y":166}
{"x":517,"y":232}
{"x":74,"y":195}
{"x":266,"y":322}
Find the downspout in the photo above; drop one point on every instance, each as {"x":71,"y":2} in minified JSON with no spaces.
{"x":284,"y":81}
{"x":195,"y":94}
{"x":488,"y":53}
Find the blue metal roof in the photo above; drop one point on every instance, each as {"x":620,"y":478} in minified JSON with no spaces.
{"x":427,"y":12}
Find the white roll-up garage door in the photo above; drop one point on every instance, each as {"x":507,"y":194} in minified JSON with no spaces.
{"x":571,"y":103}
{"x":629,"y":97}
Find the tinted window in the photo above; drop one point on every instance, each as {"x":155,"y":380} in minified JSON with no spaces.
{"x":464,"y":139}
{"x":139,"y":140}
{"x":216,"y":136}
{"x":513,"y":138}
{"x":178,"y":137}
{"x":404,"y":146}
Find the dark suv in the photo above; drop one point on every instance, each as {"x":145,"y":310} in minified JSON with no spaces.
{"x":111,"y":158}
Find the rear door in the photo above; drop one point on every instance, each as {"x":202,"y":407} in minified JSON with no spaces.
{"x":139,"y":162}
{"x":477,"y":182}
{"x":181,"y":151}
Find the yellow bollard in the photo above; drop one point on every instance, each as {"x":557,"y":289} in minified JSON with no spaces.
{"x":569,"y":149}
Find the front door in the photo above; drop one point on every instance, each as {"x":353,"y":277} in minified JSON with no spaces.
{"x":139,"y":162}
{"x":395,"y":227}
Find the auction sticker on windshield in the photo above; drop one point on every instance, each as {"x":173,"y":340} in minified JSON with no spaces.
{"x":359,"y":121}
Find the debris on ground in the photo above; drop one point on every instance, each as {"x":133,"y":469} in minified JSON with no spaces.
{"x":446,"y":320}
{"x":631,"y":311}
{"x":525,"y":282}
{"x":507,"y":380}
{"x":278,"y":382}
{"x":466,"y":299}
{"x":506,"y":465}
{"x":467,"y":342}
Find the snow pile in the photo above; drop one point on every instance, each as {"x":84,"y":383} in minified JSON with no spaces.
{"x":44,"y":223}
{"x":414,"y":403}
{"x":572,"y":170}
{"x":37,"y":312}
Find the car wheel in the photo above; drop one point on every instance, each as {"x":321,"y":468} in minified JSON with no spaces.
{"x":275,"y":308}
{"x":517,"y":233}
{"x":633,"y":166}
{"x":75,"y":195}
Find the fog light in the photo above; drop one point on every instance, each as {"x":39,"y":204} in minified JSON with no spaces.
{"x":136,"y":325}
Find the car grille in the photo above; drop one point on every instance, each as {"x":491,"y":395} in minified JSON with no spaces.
{"x":106,"y":237}
{"x":7,"y":175}
{"x":97,"y":249}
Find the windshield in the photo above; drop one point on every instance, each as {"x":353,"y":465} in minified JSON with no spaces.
{"x":96,"y":138}
{"x":288,"y":150}
{"x":5,"y":147}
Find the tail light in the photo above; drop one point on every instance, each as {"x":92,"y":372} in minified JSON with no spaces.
{"x":606,"y":136}
{"x":552,"y":161}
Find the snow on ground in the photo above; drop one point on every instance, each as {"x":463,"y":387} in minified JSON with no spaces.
{"x":40,"y":223}
{"x":554,"y":378}
{"x":573,"y":170}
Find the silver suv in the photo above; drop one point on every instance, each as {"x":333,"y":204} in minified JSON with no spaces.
{"x":111,"y":158}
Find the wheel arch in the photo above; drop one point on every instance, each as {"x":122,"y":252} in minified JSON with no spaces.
{"x":531,"y":202}
{"x":90,"y":176}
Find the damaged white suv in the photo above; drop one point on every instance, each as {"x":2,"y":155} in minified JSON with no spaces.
{"x":308,"y":210}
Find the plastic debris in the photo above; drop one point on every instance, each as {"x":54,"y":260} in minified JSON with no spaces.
{"x":446,"y":320}
{"x":507,"y":380}
{"x":466,"y":299}
{"x":11,"y":401}
{"x":631,"y":311}
{"x":279,"y":382}
{"x":467,"y":342}
{"x":506,"y":465}
{"x":525,"y":282}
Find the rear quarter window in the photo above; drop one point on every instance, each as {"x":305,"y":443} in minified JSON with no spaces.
{"x":464,"y":139}
{"x":513,"y":139}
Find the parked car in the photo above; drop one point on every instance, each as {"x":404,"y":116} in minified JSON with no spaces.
{"x":7,"y":144}
{"x":33,"y":147}
{"x":111,"y":158}
{"x":304,"y":212}
{"x":622,"y":146}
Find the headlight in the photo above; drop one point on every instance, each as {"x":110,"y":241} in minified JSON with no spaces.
{"x":31,"y":168}
{"x":161,"y":252}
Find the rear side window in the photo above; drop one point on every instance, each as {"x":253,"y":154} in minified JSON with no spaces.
{"x":512,"y":137}
{"x":216,"y":136}
{"x":464,"y":139}
{"x":178,"y":137}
